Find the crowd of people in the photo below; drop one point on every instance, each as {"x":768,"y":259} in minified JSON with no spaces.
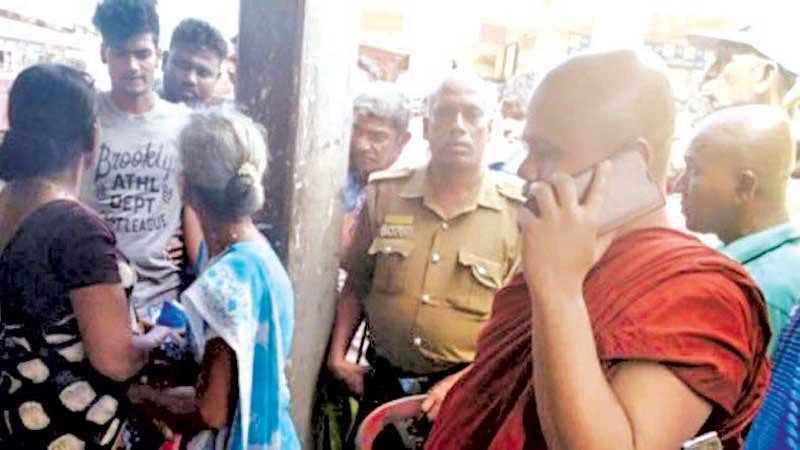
{"x":142,"y":309}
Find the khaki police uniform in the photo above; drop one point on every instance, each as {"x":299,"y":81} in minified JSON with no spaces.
{"x":427,"y":283}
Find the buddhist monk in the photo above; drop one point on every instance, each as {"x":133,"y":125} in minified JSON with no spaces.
{"x":640,"y":338}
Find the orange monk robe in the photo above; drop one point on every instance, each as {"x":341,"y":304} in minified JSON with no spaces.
{"x":656,"y":295}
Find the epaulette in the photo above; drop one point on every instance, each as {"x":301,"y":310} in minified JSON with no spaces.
{"x":389,"y":174}
{"x":508,"y":185}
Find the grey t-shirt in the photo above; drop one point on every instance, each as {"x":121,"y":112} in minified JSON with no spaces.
{"x":134,"y":187}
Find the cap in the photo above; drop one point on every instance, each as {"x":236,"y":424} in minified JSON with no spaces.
{"x":770,"y":42}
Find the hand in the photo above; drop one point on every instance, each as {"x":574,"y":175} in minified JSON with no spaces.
{"x":352,"y":375}
{"x":157,"y":335}
{"x":436,"y":395}
{"x":560,"y":245}
{"x":175,"y":250}
{"x":139,"y":394}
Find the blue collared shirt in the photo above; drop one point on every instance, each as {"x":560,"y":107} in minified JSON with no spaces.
{"x":772,"y":258}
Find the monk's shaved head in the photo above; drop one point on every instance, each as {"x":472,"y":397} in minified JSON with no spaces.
{"x":595,"y":105}
{"x":737,"y":170}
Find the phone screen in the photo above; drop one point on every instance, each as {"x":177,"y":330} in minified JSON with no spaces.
{"x":631,"y":191}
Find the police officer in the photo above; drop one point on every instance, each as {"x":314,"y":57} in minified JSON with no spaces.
{"x":431,"y":247}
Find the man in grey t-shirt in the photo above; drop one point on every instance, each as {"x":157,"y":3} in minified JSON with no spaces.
{"x":134,"y":182}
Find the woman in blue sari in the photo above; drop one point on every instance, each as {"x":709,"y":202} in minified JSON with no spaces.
{"x":240,"y":308}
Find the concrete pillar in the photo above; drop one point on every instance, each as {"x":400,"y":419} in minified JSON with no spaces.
{"x":295,"y":61}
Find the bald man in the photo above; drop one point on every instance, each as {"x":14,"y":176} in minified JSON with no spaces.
{"x":431,"y":247}
{"x":737,"y":171}
{"x":637,"y":339}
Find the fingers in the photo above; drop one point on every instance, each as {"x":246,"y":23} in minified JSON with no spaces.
{"x":432,"y":404}
{"x":598,"y":188}
{"x":358,"y":385}
{"x":546,"y":201}
{"x":427,"y":404}
{"x":565,"y":190}
{"x":174,"y":244}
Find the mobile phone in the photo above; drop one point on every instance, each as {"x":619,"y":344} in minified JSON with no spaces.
{"x":708,"y":441}
{"x":631,"y":191}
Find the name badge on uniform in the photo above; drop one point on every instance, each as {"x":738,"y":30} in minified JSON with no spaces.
{"x":397,"y":226}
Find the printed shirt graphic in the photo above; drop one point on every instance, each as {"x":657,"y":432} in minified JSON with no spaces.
{"x":134,"y":187}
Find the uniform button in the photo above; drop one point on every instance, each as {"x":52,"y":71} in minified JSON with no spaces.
{"x":426,"y":298}
{"x":417,"y":341}
{"x":445,"y":225}
{"x":435,"y":258}
{"x":481,"y":270}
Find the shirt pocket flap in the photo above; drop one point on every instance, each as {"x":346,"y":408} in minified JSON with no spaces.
{"x":384,"y":246}
{"x":485,"y":271}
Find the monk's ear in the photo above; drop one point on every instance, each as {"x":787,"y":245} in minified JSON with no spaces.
{"x":746,"y":185}
{"x":645,"y":149}
{"x":766,"y":78}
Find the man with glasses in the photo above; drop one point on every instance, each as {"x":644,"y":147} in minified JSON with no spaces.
{"x":431,"y":247}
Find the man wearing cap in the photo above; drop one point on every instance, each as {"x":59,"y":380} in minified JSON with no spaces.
{"x":432,"y":246}
{"x":754,"y":65}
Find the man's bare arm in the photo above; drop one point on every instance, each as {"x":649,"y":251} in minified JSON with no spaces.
{"x":645,"y":406}
{"x":348,"y":315}
{"x":192,"y":234}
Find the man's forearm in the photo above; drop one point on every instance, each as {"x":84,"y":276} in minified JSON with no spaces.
{"x":348,"y":315}
{"x":192,"y":234}
{"x":577,"y":407}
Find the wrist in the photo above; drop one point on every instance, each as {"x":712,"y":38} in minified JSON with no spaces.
{"x":334,"y":361}
{"x":544,"y":291}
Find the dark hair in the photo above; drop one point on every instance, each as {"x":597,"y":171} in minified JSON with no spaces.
{"x":51,"y":115}
{"x":120,"y":20}
{"x":194,"y":32}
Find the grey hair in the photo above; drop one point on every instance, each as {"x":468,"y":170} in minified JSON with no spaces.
{"x":224,"y":157}
{"x":384,"y":101}
{"x":487,"y":92}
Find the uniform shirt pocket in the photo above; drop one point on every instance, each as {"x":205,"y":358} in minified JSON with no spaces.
{"x":391,"y":255}
{"x":475,"y":281}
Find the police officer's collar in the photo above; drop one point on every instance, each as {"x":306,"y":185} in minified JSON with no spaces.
{"x":487,"y":195}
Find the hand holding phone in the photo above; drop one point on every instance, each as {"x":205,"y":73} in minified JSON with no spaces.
{"x":631,"y":191}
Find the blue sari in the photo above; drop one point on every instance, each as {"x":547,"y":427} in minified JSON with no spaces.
{"x":244,"y":296}
{"x":777,"y":425}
